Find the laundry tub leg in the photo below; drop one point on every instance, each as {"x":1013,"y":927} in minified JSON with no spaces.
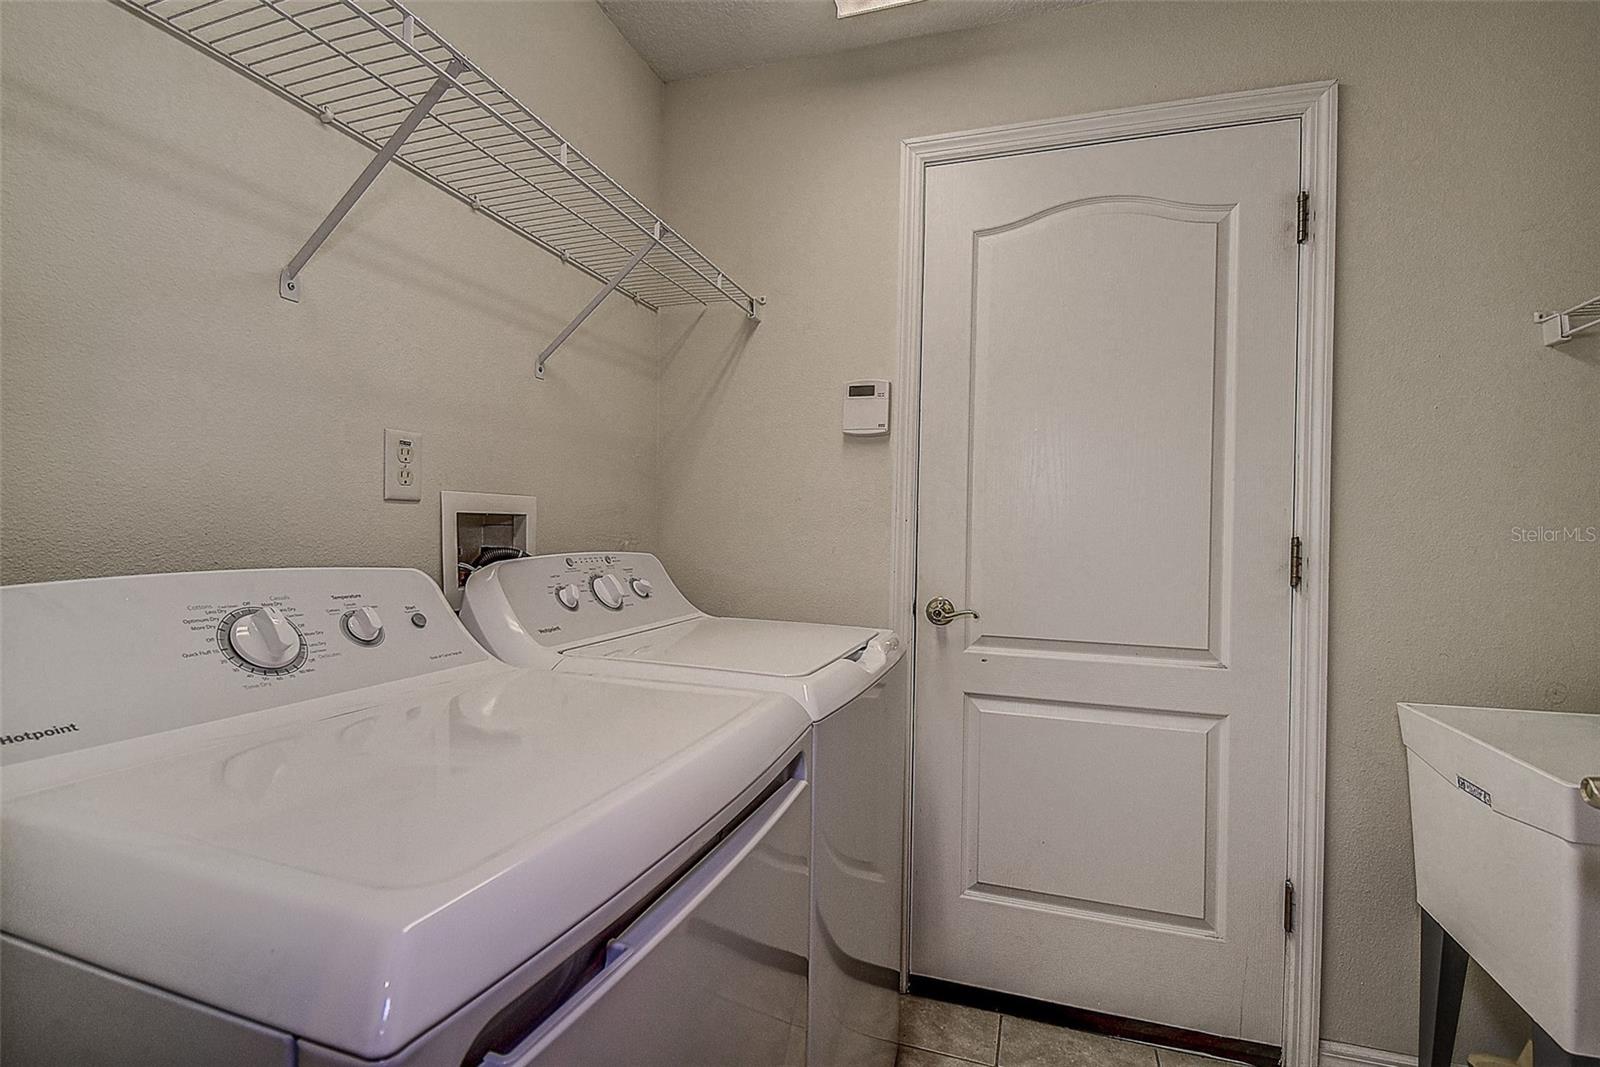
{"x":1444,"y":973}
{"x":1546,"y":1053}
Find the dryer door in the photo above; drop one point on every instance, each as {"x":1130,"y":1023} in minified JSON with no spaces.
{"x":715,"y":972}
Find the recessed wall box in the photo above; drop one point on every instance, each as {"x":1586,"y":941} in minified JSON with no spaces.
{"x":866,"y":407}
{"x":472,"y":522}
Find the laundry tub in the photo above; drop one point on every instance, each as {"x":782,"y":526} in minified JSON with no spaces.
{"x":1505,"y":816}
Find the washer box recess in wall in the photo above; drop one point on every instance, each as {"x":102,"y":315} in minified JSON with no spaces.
{"x":471,"y":522}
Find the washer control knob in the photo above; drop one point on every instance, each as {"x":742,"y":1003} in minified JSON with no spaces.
{"x":265,"y":638}
{"x":641,"y":587}
{"x":567,"y":596}
{"x":608,"y":590}
{"x":364,"y":626}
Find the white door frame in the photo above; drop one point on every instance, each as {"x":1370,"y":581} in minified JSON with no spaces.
{"x":1316,"y":106}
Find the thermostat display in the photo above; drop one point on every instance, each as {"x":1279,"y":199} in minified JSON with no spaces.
{"x":866,"y":407}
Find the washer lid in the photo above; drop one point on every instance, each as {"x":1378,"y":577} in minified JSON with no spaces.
{"x":355,"y":875}
{"x":749,"y":646}
{"x":1526,"y":765}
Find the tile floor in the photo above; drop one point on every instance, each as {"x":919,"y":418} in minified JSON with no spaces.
{"x":936,"y":1034}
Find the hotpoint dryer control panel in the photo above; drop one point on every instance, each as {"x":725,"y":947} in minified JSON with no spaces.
{"x":133,"y":656}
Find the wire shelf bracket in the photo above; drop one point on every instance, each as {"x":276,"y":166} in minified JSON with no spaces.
{"x":1559,"y":327}
{"x":379,"y":74}
{"x":599,"y":298}
{"x":288,"y":286}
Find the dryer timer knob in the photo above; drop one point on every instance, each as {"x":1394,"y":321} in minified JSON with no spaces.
{"x":641,"y":587}
{"x":265,"y":638}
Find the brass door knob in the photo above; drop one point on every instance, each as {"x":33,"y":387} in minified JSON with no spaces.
{"x":1590,"y":789}
{"x":941,"y":612}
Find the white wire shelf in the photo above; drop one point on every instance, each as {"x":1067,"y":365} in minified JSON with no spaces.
{"x":384,"y":77}
{"x":1562,"y":326}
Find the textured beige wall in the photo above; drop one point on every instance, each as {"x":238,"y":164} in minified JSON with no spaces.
{"x":165,"y":410}
{"x":1469,"y":149}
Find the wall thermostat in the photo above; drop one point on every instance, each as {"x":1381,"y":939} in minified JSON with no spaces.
{"x":866,"y":407}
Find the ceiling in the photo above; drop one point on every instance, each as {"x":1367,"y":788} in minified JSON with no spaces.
{"x":685,"y":38}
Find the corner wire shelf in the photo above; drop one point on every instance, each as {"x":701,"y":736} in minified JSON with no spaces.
{"x":1562,"y":326}
{"x":378,"y":73}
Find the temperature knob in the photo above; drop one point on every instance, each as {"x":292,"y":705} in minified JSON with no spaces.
{"x":364,"y":626}
{"x":641,"y":587}
{"x":567,"y":596}
{"x":608,"y":590}
{"x":265,"y":638}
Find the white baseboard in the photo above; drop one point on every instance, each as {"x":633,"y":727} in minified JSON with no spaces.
{"x":1339,"y":1054}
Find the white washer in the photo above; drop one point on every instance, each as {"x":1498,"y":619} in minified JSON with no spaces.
{"x":618,"y":615}
{"x":299,"y":816}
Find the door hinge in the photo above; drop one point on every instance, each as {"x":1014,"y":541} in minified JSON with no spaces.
{"x":1288,"y":906}
{"x":1302,"y":218}
{"x":1296,"y":562}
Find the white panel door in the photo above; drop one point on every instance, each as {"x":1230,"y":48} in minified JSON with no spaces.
{"x":1106,"y":477}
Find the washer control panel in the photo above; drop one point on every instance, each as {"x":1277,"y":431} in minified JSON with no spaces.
{"x":576,"y":598}
{"x":107,"y":659}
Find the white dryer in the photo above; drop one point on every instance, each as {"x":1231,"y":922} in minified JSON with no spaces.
{"x":274,"y":817}
{"x":618,"y":615}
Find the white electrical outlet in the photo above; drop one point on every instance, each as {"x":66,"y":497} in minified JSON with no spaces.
{"x":400,"y":466}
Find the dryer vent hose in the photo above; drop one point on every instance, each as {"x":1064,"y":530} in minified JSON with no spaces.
{"x":488,"y":555}
{"x":496,"y":554}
